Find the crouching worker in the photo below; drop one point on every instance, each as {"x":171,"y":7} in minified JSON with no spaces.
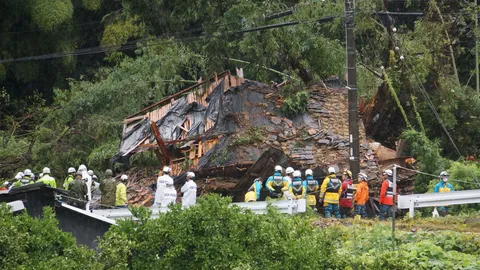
{"x":277,"y":184}
{"x":297,"y":190}
{"x":253,"y":193}
{"x":78,"y":191}
{"x":361,"y":196}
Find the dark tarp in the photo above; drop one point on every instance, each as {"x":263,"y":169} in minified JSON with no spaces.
{"x":169,"y":125}
{"x":134,"y":136}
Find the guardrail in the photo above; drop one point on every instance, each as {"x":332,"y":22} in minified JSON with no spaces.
{"x":110,"y":215}
{"x":437,"y":199}
{"x":16,"y":206}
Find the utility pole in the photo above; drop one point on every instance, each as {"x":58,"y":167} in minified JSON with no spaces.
{"x":476,"y":48}
{"x":352,"y":88}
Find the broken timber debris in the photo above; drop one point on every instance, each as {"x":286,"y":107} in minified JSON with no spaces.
{"x":223,"y":129}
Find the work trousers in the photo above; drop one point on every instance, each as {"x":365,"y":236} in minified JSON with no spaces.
{"x":345,"y":212}
{"x":361,"y":209}
{"x":385,"y":211}
{"x":332,"y":209}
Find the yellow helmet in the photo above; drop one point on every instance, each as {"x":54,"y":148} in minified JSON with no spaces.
{"x":348,"y":172}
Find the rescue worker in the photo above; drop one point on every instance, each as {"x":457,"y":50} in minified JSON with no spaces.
{"x":346,"y":198}
{"x":47,"y":179}
{"x":330,"y":194}
{"x":78,"y":191}
{"x":361,"y":196}
{"x":161,"y":184}
{"x":276,"y":183}
{"x":311,"y":188}
{"x":121,"y":193}
{"x":386,"y":196}
{"x":22,"y":180}
{"x":253,"y":193}
{"x":108,"y":187}
{"x":289,"y":174}
{"x":27,"y":176}
{"x":297,"y":190}
{"x":189,"y":191}
{"x":170,"y":194}
{"x":442,"y":187}
{"x":88,"y":180}
{"x":70,"y":178}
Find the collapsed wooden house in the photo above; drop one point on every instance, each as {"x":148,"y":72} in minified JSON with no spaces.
{"x":232,"y":128}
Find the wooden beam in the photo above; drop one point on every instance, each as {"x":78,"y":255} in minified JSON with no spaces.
{"x":164,"y":158}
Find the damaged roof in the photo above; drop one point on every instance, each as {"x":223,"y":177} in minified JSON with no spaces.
{"x":224,"y":125}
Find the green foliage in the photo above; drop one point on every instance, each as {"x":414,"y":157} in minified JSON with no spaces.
{"x":428,"y":156}
{"x":295,"y":103}
{"x":37,"y":243}
{"x":251,"y":136}
{"x":48,"y":14}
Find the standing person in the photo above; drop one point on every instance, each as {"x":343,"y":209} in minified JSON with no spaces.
{"x":21,"y":180}
{"x":289,"y":175}
{"x":27,"y":177}
{"x":297,"y":190}
{"x":253,"y":193}
{"x":189,"y":191}
{"x":121,"y":193}
{"x":47,"y":179}
{"x":161,"y":184}
{"x":108,"y":187}
{"x":88,"y":180}
{"x":71,"y":171}
{"x":361,"y":196}
{"x":386,"y":196}
{"x":330,"y":194}
{"x":346,"y":198}
{"x":170,"y":194}
{"x":276,"y":183}
{"x":78,"y":191}
{"x":311,"y":187}
{"x":442,"y":187}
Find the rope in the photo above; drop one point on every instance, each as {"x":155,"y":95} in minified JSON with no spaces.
{"x":436,"y":176}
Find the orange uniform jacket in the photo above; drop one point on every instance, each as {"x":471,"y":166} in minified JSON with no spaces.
{"x":386,"y":193}
{"x":361,"y":196}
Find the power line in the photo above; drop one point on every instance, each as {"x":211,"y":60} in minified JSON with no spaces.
{"x":154,"y":41}
{"x":425,"y":94}
{"x":41,"y":30}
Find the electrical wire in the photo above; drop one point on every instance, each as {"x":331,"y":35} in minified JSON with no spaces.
{"x":424,"y":93}
{"x":152,"y":41}
{"x":436,"y":176}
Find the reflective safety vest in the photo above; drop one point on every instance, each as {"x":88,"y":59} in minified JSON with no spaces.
{"x":346,"y":198}
{"x":389,"y":190}
{"x":334,"y":185}
{"x":297,"y":186}
{"x":277,"y":183}
{"x":311,"y":188}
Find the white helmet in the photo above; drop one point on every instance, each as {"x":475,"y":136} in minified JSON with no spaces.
{"x":389,"y":172}
{"x":289,"y":170}
{"x":297,"y":174}
{"x":21,"y":174}
{"x":90,"y":172}
{"x":190,"y":175}
{"x":18,"y":176}
{"x":71,"y":170}
{"x":124,"y":177}
{"x":362,"y":176}
{"x":27,"y":172}
{"x":444,"y":174}
{"x":278,"y":168}
{"x":82,"y":168}
{"x":41,"y":175}
{"x":309,"y":172}
{"x":331,"y":170}
{"x":46,"y":170}
{"x":169,"y":182}
{"x":167,"y":170}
